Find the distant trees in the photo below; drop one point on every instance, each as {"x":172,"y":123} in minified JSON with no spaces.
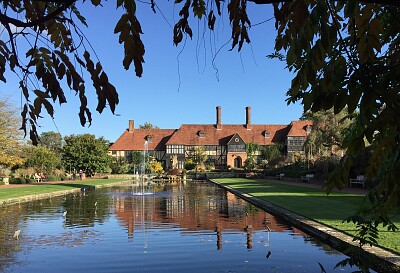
{"x":42,"y":159}
{"x":148,"y":125}
{"x":251,"y":149}
{"x":52,"y":141}
{"x":10,"y":136}
{"x":272,"y":153}
{"x":86,"y":153}
{"x":328,"y":132}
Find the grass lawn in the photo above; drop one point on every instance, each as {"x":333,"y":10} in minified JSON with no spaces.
{"x":313,"y":203}
{"x":39,"y":188}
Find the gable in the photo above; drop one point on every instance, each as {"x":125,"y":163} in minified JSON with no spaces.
{"x":236,"y":140}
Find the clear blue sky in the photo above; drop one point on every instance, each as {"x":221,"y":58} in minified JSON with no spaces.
{"x":244,"y":79}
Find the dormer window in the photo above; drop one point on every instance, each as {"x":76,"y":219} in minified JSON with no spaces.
{"x":200,"y":133}
{"x":266,"y":134}
{"x":149,"y":138}
{"x":308,"y":129}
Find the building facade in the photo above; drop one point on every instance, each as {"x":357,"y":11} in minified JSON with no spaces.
{"x":223,"y":144}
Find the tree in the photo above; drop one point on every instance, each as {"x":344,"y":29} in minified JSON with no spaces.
{"x":272,"y":152}
{"x":148,"y":125}
{"x":52,"y":141}
{"x":119,"y":165}
{"x":328,"y":132}
{"x":251,"y":149}
{"x":86,"y":153}
{"x":350,"y":57}
{"x":10,"y":136}
{"x":135,"y":160}
{"x":199,"y":156}
{"x":42,"y":159}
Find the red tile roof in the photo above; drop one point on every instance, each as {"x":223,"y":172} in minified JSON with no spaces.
{"x":298,"y":127}
{"x":187,"y":134}
{"x":135,"y":141}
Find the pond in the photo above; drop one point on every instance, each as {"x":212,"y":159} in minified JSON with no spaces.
{"x":192,"y":227}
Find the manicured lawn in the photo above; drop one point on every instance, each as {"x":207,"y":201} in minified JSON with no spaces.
{"x":313,"y":203}
{"x":6,"y":193}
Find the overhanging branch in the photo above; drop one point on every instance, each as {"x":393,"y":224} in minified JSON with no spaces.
{"x":4,"y":19}
{"x":395,"y":3}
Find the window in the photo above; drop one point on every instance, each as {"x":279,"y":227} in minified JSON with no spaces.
{"x":266,"y":134}
{"x":237,"y":148}
{"x":113,"y":152}
{"x":175,"y":149}
{"x":201,"y":134}
{"x":149,"y":138}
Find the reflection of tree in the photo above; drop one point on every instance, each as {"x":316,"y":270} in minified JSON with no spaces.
{"x":83,"y":209}
{"x":10,"y":217}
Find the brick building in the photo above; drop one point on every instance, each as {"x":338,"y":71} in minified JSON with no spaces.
{"x":224,"y":144}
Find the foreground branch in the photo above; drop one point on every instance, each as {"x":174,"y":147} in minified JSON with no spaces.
{"x":380,"y":2}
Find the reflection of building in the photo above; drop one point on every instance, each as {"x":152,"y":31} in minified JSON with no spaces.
{"x":214,"y":213}
{"x":223,"y":144}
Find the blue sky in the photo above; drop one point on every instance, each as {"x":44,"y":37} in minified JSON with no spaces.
{"x":163,"y":98}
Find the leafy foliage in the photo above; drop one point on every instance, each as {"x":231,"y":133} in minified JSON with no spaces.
{"x":148,"y":125}
{"x":156,"y":167}
{"x":251,"y":149}
{"x":10,"y":137}
{"x":42,"y":159}
{"x":52,"y":141}
{"x":272,"y":152}
{"x":199,"y":156}
{"x":328,"y":132}
{"x":86,"y":153}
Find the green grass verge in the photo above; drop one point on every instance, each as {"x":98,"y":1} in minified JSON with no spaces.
{"x":315,"y":204}
{"x":7,"y":193}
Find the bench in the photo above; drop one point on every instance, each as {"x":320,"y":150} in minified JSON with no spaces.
{"x":250,"y":175}
{"x":280,"y":176}
{"x":307,"y":177}
{"x":40,"y":178}
{"x":359,"y":180}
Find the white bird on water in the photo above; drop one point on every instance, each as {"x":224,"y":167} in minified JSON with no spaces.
{"x":64,"y":213}
{"x":16,"y":234}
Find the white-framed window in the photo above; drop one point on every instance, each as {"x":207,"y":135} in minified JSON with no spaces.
{"x":175,"y":149}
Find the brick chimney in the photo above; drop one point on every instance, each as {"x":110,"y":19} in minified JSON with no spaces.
{"x":131,"y":126}
{"x":218,"y":125}
{"x":248,"y":122}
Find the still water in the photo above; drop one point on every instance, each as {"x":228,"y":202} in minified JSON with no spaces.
{"x":193,"y":227}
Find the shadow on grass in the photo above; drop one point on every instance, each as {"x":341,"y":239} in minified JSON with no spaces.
{"x":77,"y":185}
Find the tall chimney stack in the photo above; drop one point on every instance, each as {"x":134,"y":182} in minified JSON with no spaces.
{"x":248,"y":122}
{"x":218,"y":125}
{"x":131,"y":126}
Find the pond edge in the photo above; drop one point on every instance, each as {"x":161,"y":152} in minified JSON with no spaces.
{"x":382,"y":259}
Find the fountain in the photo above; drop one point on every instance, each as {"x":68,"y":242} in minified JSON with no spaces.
{"x":142,"y":177}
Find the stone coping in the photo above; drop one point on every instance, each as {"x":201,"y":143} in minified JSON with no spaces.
{"x":382,"y":259}
{"x":31,"y":197}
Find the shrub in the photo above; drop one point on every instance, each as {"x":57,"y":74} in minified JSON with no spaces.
{"x":30,"y":180}
{"x":18,"y":180}
{"x":53,"y":178}
{"x":190,"y":165}
{"x":21,"y":180}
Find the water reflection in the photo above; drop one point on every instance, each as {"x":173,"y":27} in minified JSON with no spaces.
{"x":176,"y":228}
